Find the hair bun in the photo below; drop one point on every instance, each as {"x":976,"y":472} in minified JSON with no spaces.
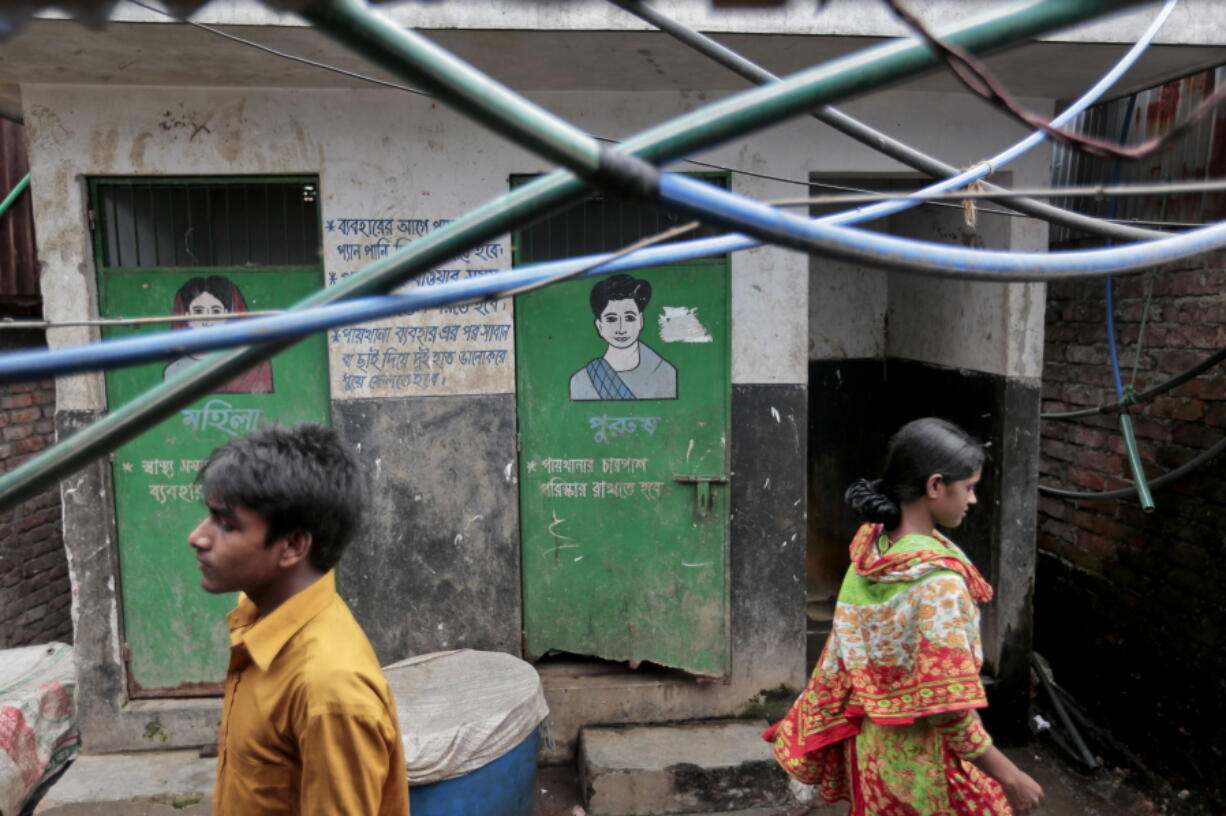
{"x":866,"y":498}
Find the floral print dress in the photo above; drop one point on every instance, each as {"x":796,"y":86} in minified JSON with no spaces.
{"x":887,"y":719}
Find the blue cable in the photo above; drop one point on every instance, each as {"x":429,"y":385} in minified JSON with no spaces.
{"x":922,"y":257}
{"x":711,"y":203}
{"x":695,"y":198}
{"x":1108,"y":282}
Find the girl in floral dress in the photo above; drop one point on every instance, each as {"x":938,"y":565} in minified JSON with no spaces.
{"x":887,"y":720}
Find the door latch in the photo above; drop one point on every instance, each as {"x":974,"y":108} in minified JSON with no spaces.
{"x":702,"y":483}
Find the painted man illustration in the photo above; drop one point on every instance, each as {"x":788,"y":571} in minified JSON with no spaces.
{"x":629,"y":369}
{"x":308,"y":725}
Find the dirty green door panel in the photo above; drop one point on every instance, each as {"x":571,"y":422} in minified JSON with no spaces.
{"x":623,"y":495}
{"x":175,"y":632}
{"x":175,"y":636}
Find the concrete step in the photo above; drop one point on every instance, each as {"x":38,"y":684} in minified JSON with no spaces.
{"x":712,"y":766}
{"x":150,"y":783}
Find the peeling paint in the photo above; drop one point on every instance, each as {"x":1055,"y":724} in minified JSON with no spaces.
{"x":680,"y":324}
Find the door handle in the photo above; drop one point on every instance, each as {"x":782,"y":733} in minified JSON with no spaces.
{"x":702,"y":482}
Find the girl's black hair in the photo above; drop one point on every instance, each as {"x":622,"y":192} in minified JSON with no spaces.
{"x":921,"y":448}
{"x":299,"y":478}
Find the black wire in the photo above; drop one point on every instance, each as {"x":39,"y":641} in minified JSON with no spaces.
{"x":1145,"y":396}
{"x":1178,"y":473}
{"x":284,"y":54}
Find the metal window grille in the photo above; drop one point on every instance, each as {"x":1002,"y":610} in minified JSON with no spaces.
{"x":600,"y":225}
{"x":143,"y":223}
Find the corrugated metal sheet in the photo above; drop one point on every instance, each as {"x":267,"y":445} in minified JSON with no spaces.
{"x":18,"y":262}
{"x":1199,"y":154}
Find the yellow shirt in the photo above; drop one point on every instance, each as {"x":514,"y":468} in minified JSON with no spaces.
{"x":308,"y":725}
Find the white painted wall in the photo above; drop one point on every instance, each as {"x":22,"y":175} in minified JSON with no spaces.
{"x":390,"y":155}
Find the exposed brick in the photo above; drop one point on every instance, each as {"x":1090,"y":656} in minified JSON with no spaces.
{"x":36,"y":596}
{"x":1188,"y":283}
{"x":1059,"y":450}
{"x":16,"y":400}
{"x":1187,"y":410}
{"x":25,"y":415}
{"x":1215,"y":414}
{"x":1196,"y":436}
{"x":1054,"y":508}
{"x":1134,"y":580}
{"x":1205,"y":387}
{"x":29,"y":445}
{"x":17,"y":432}
{"x":1089,"y":437}
{"x":1089,"y":481}
{"x":1100,"y":461}
{"x":1094,"y":355}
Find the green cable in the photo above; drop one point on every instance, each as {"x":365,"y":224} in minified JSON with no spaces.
{"x":16,"y":191}
{"x":700,"y":129}
{"x":411,"y":56}
{"x":1139,"y":481}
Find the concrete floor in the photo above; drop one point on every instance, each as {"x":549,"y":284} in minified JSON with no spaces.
{"x":1106,"y":793}
{"x":176,"y":783}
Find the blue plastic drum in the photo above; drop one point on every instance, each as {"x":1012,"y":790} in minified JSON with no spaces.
{"x":470,"y":722}
{"x":506,"y":786}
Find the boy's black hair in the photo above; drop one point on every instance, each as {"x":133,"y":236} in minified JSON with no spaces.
{"x":619,"y":287}
{"x":299,"y":478}
{"x":921,"y":448}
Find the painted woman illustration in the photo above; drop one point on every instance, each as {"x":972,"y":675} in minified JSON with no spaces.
{"x":215,"y":295}
{"x":629,"y":369}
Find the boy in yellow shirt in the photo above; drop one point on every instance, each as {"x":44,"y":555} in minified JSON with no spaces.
{"x":308,"y":722}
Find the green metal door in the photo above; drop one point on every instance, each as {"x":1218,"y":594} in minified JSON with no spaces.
{"x":623,"y":473}
{"x":175,"y":636}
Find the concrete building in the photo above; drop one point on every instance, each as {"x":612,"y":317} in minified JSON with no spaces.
{"x":150,"y":140}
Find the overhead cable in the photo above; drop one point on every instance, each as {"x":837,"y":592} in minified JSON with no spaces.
{"x":711,"y":205}
{"x":1130,"y":230}
{"x":1146,"y":395}
{"x":1131,"y":451}
{"x":941,"y":260}
{"x":111,"y":354}
{"x":979,"y":80}
{"x":688,"y":133}
{"x":999,"y":194}
{"x":1200,"y":460}
{"x":417,"y":91}
{"x":892,"y":147}
{"x":284,"y":54}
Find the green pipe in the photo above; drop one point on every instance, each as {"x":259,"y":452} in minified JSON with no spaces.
{"x":1139,"y":480}
{"x":751,"y":109}
{"x":16,"y":191}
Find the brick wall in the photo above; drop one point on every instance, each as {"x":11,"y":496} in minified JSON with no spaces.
{"x":1130,"y":607}
{"x":34,"y":590}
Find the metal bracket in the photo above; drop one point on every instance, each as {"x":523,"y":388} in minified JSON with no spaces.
{"x":703,"y":482}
